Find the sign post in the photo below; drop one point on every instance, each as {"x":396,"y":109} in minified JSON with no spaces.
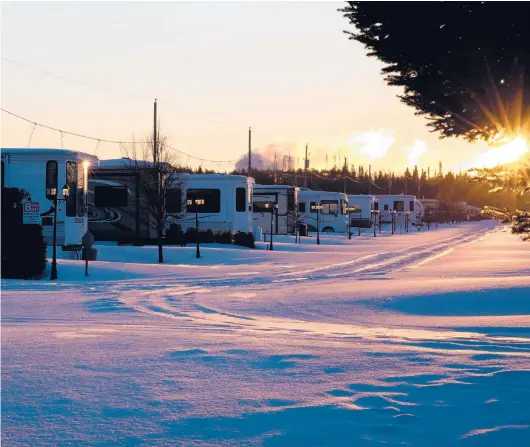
{"x":87,"y":240}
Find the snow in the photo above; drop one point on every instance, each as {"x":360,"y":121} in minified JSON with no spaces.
{"x":419,"y":339}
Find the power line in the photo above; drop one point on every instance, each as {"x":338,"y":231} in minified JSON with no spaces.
{"x":103,"y":140}
{"x":94,"y":86}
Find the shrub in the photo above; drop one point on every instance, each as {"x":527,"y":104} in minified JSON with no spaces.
{"x":23,"y":246}
{"x":521,"y":224}
{"x":205,"y":237}
{"x":244,"y":239}
{"x":175,"y":235}
{"x":224,"y":237}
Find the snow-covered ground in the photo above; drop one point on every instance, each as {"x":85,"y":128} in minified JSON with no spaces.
{"x":418,"y":339}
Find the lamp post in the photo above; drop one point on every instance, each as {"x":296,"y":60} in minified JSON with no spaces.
{"x":375,"y":213}
{"x":274,"y":208}
{"x":196,"y":203}
{"x":52,"y":192}
{"x":317,"y":208}
{"x":351,"y":209}
{"x":407,"y":213}
{"x":393,"y":220}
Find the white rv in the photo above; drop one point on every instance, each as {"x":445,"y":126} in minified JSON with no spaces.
{"x":264,"y":198}
{"x":364,"y":205}
{"x":334,"y":214}
{"x":226,"y":202}
{"x":26,"y":169}
{"x":403,"y":205}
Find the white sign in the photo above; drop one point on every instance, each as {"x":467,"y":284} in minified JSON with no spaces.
{"x":31,"y":214}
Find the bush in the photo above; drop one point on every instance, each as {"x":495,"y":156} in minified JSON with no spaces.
{"x":521,"y":224}
{"x":224,"y":237}
{"x":23,"y":246}
{"x":175,"y":235}
{"x":205,"y":237}
{"x":244,"y":239}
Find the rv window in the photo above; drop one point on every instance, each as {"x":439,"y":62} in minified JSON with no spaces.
{"x":290,"y":200}
{"x":385,"y":208}
{"x":376,"y":206}
{"x":301,"y":207}
{"x":241,"y":199}
{"x":110,"y":196}
{"x":2,"y":173}
{"x":311,"y":207}
{"x":399,"y":205}
{"x":330,"y":207}
{"x":263,"y":207}
{"x":71,"y":181}
{"x":411,"y":206}
{"x":51,"y":179}
{"x":344,"y":206}
{"x":211,"y":197}
{"x":173,"y":200}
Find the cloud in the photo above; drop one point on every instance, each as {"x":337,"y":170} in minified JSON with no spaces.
{"x":372,"y":144}
{"x":415,"y":151}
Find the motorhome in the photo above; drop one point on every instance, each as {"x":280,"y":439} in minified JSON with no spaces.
{"x":334,"y":214}
{"x":265,"y":198}
{"x":41,"y":171}
{"x":403,"y":205}
{"x":364,"y":207}
{"x":225,"y":202}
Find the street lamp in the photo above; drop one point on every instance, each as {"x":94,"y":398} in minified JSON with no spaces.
{"x":375,"y":214}
{"x":196,"y":203}
{"x":52,"y":193}
{"x":274,"y":208}
{"x":407,"y":221}
{"x":317,"y":208}
{"x":393,"y":220}
{"x":351,"y":209}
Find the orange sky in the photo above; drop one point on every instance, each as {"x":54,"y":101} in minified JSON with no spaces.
{"x":286,"y":69}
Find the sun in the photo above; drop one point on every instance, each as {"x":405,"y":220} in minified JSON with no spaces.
{"x":506,"y":153}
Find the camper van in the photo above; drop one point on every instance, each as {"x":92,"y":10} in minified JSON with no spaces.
{"x":226,"y":202}
{"x":403,"y":205}
{"x":364,"y":206}
{"x":334,"y":214}
{"x":264,"y":198}
{"x":35,"y":171}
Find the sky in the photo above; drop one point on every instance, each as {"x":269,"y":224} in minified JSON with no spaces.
{"x":286,"y":69}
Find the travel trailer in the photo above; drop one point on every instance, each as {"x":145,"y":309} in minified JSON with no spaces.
{"x":40,"y":170}
{"x":364,"y":205}
{"x":334,"y":214}
{"x":264,"y":198}
{"x":226,"y":201}
{"x":403,"y":205}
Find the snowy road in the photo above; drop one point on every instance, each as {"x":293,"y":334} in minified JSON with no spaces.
{"x":417,"y":339}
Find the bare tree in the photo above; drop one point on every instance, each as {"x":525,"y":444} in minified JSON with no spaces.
{"x":160,"y":182}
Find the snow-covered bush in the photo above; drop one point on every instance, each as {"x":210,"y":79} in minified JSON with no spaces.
{"x":521,"y":224}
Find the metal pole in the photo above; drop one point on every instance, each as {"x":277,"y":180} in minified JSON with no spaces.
{"x":369,"y":179}
{"x":318,"y":227}
{"x":375,"y":223}
{"x":272,"y":217}
{"x":249,"y":152}
{"x":349,"y":224}
{"x":305,"y":167}
{"x":53,"y":274}
{"x":198,"y":254}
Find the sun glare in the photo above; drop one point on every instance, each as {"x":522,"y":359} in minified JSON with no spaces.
{"x":507,"y":153}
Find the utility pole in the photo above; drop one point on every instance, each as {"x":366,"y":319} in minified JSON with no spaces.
{"x":369,"y":179}
{"x":306,"y":163}
{"x":344,"y":175}
{"x":389,"y":184}
{"x":406,"y":183}
{"x":249,"y":152}
{"x":326,"y":162}
{"x":156,"y":160}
